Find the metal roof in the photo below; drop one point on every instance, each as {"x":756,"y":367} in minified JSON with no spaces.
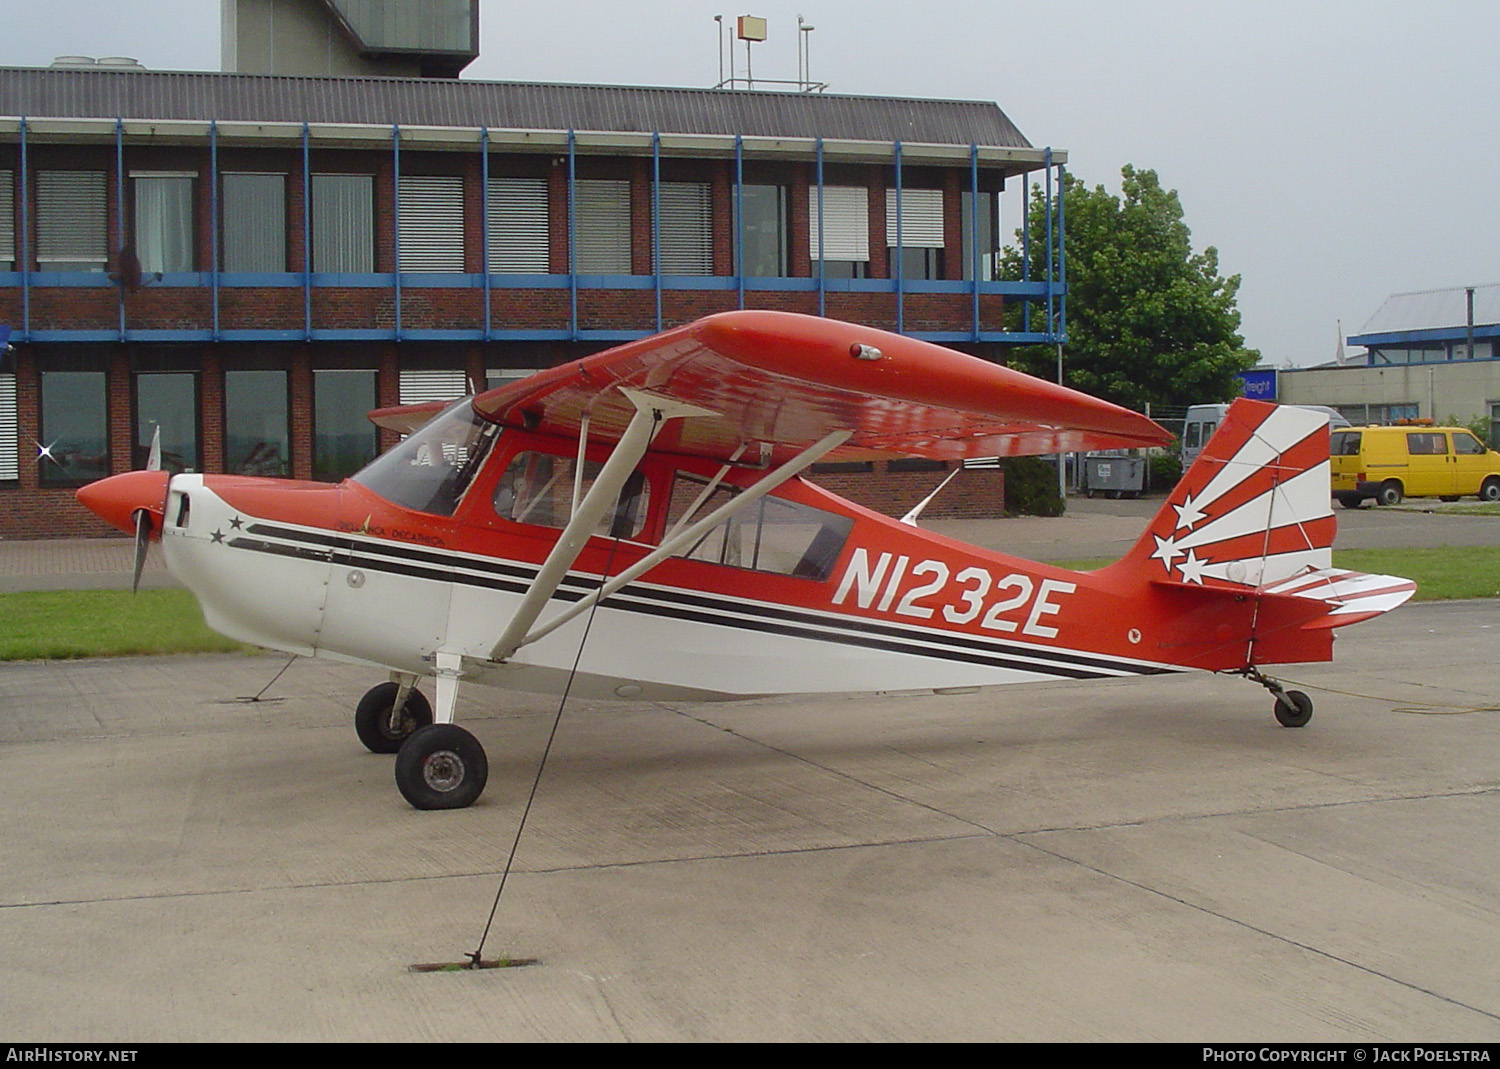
{"x":199,"y":95}
{"x":1432,"y":310}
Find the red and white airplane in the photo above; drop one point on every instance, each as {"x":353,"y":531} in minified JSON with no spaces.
{"x":649,"y":497}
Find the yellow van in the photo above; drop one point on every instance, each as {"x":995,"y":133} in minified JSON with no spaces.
{"x":1389,"y":463}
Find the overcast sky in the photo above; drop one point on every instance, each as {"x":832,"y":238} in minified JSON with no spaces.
{"x":1334,"y":151}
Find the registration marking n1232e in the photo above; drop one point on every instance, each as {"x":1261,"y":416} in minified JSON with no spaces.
{"x":1014,"y":602}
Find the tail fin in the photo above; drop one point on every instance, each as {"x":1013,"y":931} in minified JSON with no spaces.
{"x":1255,"y":507}
{"x":1253,"y":515}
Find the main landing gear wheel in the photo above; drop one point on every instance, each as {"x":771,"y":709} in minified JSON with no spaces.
{"x":372,"y":718}
{"x":1293,"y":709}
{"x":441,"y":766}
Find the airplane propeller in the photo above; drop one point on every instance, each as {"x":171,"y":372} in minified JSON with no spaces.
{"x":143,"y":518}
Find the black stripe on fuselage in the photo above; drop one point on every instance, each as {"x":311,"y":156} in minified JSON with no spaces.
{"x":449,"y":567}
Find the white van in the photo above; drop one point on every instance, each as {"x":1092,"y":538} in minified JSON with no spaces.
{"x":1203,"y":420}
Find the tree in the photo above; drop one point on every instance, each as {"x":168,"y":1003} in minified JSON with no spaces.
{"x":1148,"y":320}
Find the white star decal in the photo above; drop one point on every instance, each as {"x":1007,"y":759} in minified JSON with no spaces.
{"x":1192,"y":568}
{"x":1188,"y":513}
{"x":1166,"y":551}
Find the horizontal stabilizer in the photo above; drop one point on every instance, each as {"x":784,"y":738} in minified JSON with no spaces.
{"x":1351,"y":596}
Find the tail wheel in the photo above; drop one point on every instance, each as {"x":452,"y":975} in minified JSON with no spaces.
{"x":1293,"y":709}
{"x":372,"y":718}
{"x":1390,"y":493}
{"x":441,"y":766}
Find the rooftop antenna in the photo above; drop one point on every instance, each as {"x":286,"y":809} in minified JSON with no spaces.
{"x":719,"y":40}
{"x":804,"y":54}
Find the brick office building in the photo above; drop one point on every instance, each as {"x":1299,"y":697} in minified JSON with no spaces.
{"x":253,"y":262}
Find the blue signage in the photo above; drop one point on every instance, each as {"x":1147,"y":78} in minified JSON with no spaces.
{"x":1259,"y":385}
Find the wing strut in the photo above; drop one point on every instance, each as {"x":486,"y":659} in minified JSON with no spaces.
{"x":684,"y":536}
{"x":650,"y":413}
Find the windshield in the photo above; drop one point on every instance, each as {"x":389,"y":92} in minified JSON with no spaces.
{"x":430,"y":470}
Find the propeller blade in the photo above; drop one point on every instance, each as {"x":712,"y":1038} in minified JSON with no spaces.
{"x":153,"y":459}
{"x":142,"y":540}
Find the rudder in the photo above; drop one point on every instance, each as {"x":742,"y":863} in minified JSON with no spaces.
{"x":1253,"y":509}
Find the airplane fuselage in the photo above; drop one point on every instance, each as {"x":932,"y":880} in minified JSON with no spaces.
{"x":337,"y":571}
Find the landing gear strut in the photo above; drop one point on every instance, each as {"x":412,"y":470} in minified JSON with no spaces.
{"x":1293,"y":708}
{"x":378,"y":723}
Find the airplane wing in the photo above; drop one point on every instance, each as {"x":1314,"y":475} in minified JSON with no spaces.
{"x":779,"y":381}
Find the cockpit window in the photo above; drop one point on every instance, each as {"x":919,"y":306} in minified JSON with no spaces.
{"x":538,"y":488}
{"x":770,"y":535}
{"x":430,"y":470}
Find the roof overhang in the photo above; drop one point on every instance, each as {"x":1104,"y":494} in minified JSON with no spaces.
{"x":504,"y":139}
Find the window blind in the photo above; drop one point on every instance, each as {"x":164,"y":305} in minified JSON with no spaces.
{"x":418,"y":385}
{"x":601,"y":226}
{"x":518,"y":226}
{"x":845,"y":223}
{"x":921,"y":218}
{"x":70,"y":221}
{"x":432,"y":223}
{"x":686,"y":229}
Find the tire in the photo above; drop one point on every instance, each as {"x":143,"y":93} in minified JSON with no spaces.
{"x":1351,"y":501}
{"x":1390,"y":493}
{"x":1294,"y":710}
{"x":372,"y":718}
{"x":1490,"y":489}
{"x":441,"y":766}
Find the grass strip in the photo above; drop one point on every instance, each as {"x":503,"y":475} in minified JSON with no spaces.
{"x":67,"y":624}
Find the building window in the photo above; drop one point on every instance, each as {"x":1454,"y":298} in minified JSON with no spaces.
{"x":1374,"y":415}
{"x":75,"y":429}
{"x":431,"y":231}
{"x":495,"y":377}
{"x":1494,"y":442}
{"x":343,"y":223}
{"x":519,"y":230}
{"x":70,"y":221}
{"x":601,"y":226}
{"x":9,"y":430}
{"x":7,"y":221}
{"x":167,"y":400}
{"x":343,"y":436}
{"x":917,"y":262}
{"x":419,"y":385}
{"x":840,"y":234}
{"x":256,"y":437}
{"x":163,"y":222}
{"x":254,"y":222}
{"x":763,"y":230}
{"x":988,"y":229}
{"x":921,"y":232}
{"x":685,"y":229}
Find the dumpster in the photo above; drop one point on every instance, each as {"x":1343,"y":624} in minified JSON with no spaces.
{"x":1114,"y":475}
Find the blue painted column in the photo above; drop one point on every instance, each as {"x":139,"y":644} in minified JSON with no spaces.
{"x":306,"y":236}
